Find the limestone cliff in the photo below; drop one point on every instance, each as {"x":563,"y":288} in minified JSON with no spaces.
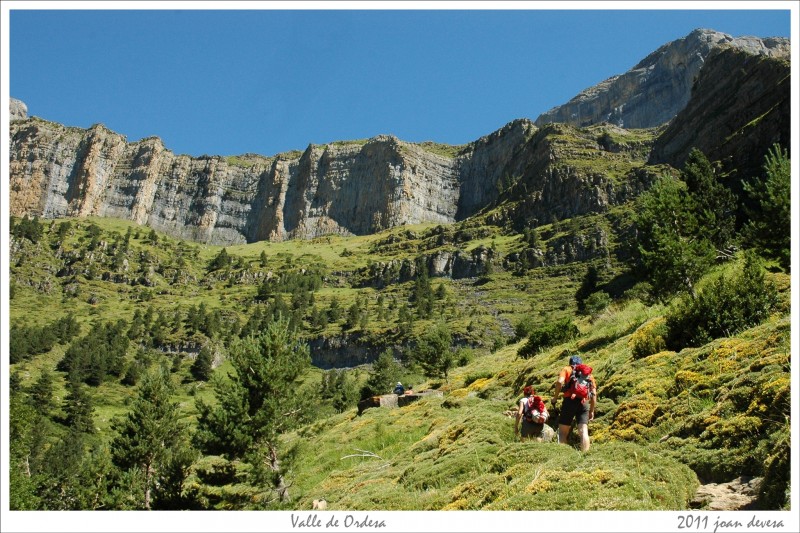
{"x":658,"y":87}
{"x":740,"y":106}
{"x":347,"y":188}
{"x":344,"y":188}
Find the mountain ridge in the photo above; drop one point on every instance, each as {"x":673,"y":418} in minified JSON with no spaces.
{"x":364,"y":186}
{"x":654,"y":90}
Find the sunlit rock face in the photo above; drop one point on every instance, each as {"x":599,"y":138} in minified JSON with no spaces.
{"x":348,"y":188}
{"x":656,"y":89}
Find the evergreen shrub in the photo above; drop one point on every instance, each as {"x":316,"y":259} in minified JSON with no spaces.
{"x":727,"y":306}
{"x":548,"y":335}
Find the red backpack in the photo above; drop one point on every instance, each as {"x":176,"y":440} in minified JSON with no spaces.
{"x":534,"y":403}
{"x":579,"y":385}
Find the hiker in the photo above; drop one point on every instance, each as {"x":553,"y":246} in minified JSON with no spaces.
{"x":576,"y":384}
{"x":533,"y":413}
{"x":398,"y":389}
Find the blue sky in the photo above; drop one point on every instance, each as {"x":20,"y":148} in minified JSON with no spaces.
{"x":266,"y":81}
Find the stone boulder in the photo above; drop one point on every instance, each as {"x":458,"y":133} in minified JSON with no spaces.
{"x":736,"y":495}
{"x":393,"y":401}
{"x":385,"y":400}
{"x":411,"y":397}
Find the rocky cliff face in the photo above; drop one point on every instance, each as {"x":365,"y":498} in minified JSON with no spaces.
{"x":740,"y":106}
{"x":347,"y":188}
{"x":342,"y":188}
{"x":656,"y":89}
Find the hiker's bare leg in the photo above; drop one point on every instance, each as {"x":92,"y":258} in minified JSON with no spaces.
{"x":583,"y":433}
{"x":563,"y":433}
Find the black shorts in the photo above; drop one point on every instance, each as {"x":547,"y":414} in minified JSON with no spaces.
{"x":574,"y":409}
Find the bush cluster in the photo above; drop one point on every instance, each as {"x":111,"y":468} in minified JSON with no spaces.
{"x":548,"y":335}
{"x":649,"y":339}
{"x":727,"y":306}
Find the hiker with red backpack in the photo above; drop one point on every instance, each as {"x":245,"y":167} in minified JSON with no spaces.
{"x":577,"y":385}
{"x":533,"y":414}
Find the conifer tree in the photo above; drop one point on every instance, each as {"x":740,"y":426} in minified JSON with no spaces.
{"x":42,"y":393}
{"x":23,"y":449}
{"x":334,"y":310}
{"x":149,"y":433}
{"x":353,"y":316}
{"x":222,"y":260}
{"x":385,"y":372}
{"x":258,"y":402}
{"x":380,"y":304}
{"x":714,"y":204}
{"x":338,"y":388}
{"x":673,"y":254}
{"x":78,"y":406}
{"x":405,"y":321}
{"x":588,"y":287}
{"x":203,"y":365}
{"x":769,"y":227}
{"x":423,"y":294}
{"x":434,"y":352}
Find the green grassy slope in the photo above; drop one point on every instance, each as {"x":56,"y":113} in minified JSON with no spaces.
{"x":664,"y":422}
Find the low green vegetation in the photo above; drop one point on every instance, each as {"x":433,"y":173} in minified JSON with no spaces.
{"x":445,"y":150}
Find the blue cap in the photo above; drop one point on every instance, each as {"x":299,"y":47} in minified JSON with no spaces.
{"x":575,"y":360}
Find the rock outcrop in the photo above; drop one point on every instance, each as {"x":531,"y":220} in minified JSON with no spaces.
{"x":658,"y":87}
{"x":17,"y":110}
{"x":393,"y":401}
{"x":740,"y":106}
{"x":341,"y":188}
{"x":737,"y":495}
{"x":344,"y":188}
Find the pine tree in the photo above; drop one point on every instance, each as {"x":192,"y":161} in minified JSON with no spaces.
{"x":353,"y":316}
{"x":222,"y":260}
{"x":769,"y":227}
{"x":42,"y":393}
{"x":203,"y":365}
{"x":673,"y":254}
{"x":259,"y":401}
{"x":148,"y":434}
{"x":405,"y":321}
{"x":385,"y":372}
{"x":337,"y":387}
{"x":713,"y":204}
{"x":78,"y":406}
{"x":588,"y":287}
{"x":76,"y":474}
{"x":334,"y":311}
{"x":380,"y":304}
{"x":423,"y":294}
{"x":23,"y":450}
{"x":434,"y":352}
